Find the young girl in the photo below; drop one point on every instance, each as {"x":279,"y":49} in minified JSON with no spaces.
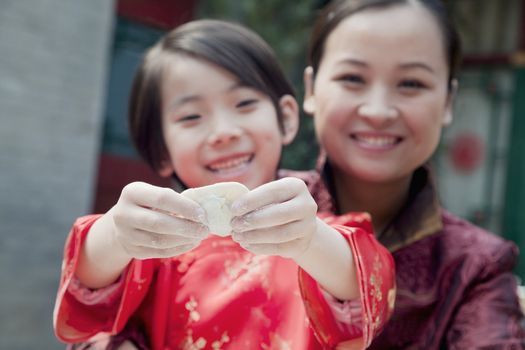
{"x":210,"y":104}
{"x":380,"y":85}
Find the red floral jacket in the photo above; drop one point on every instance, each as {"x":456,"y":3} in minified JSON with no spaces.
{"x":220,"y":296}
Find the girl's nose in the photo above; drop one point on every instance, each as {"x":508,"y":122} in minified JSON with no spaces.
{"x":224,"y":131}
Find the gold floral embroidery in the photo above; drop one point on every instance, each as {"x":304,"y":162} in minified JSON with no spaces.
{"x":251,"y":267}
{"x":191,"y":306}
{"x":217,"y":345}
{"x":234,"y":268}
{"x":257,"y":314}
{"x":277,"y":343}
{"x":190,"y":344}
{"x":391,"y":299}
{"x":376,"y":281}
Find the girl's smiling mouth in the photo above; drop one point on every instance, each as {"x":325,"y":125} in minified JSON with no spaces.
{"x":230,"y":164}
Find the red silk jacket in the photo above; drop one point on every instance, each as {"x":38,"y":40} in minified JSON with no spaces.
{"x":220,"y":296}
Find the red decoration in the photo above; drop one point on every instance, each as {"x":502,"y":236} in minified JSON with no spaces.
{"x":467,"y":152}
{"x":163,"y":14}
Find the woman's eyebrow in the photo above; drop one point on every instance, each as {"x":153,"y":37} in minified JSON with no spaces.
{"x":238,"y":85}
{"x":417,"y":65}
{"x":353,"y":62}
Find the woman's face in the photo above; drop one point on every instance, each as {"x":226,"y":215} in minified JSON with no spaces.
{"x":380,"y":95}
{"x":217,"y":129}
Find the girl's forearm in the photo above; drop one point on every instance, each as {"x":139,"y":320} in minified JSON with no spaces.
{"x":330,"y":262}
{"x":102,"y":259}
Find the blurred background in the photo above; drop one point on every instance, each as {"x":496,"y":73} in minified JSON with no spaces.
{"x":65,"y":73}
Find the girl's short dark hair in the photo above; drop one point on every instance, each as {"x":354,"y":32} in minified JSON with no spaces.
{"x":338,"y":10}
{"x":231,"y":46}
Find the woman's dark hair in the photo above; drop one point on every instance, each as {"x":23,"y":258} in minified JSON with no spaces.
{"x":230,"y":46}
{"x":338,"y":10}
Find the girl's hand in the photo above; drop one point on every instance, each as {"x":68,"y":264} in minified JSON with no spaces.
{"x":155,"y":222}
{"x":277,"y":218}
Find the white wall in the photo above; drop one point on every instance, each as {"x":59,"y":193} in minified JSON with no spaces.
{"x":483,"y":108}
{"x":53,"y":65}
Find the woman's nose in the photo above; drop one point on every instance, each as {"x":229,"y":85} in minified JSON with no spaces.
{"x":378,"y":109}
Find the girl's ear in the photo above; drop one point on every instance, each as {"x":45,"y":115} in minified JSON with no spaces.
{"x":449,"y":115}
{"x":309,"y":99}
{"x":290,"y":115}
{"x":166,"y":169}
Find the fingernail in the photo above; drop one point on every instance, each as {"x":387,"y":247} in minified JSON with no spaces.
{"x":205,"y":231}
{"x":237,"y":208}
{"x":201,"y":216}
{"x":239,"y":224}
{"x":246,"y":246}
{"x":238,"y":237}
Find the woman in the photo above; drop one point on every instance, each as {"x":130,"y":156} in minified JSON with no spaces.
{"x":380,"y":86}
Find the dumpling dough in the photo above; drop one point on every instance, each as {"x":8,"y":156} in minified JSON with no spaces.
{"x":216,"y":200}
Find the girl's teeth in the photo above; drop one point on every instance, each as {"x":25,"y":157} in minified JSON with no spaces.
{"x":230,"y":163}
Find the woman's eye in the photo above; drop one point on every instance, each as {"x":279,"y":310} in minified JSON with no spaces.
{"x":351,"y":78}
{"x":411,"y":84}
{"x":246,"y":103}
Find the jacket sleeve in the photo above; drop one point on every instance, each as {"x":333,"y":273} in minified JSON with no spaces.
{"x":490,"y":314}
{"x":81,"y":313}
{"x":376,"y":277}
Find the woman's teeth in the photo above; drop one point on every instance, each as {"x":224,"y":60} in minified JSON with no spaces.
{"x":377,"y":141}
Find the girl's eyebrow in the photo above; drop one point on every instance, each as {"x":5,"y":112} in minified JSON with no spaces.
{"x":193,"y":98}
{"x":185,"y":99}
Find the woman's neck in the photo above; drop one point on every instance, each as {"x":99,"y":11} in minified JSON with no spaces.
{"x":382,"y":200}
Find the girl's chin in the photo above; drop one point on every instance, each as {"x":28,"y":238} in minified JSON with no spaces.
{"x":250,"y":175}
{"x":233,"y":176}
{"x":242,"y":178}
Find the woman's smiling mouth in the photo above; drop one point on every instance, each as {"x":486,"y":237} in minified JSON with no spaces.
{"x":376,"y":141}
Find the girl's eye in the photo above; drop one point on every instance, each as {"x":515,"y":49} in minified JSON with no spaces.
{"x":246,"y":103}
{"x":189,"y":118}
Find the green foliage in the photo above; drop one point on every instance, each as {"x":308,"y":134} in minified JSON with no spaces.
{"x":285,"y":25}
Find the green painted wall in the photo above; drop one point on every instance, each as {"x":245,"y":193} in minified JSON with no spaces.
{"x":514,"y":214}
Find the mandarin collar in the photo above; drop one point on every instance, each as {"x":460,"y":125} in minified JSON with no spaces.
{"x":417,"y":219}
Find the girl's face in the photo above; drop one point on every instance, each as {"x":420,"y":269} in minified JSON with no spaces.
{"x":380,"y":96}
{"x":217,"y":130}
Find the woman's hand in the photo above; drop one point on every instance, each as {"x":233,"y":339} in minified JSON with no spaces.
{"x":277,"y":218}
